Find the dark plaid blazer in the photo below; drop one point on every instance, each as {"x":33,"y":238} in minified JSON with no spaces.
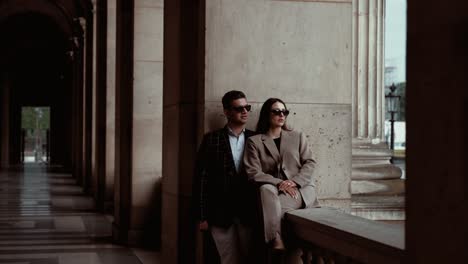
{"x":221,"y":192}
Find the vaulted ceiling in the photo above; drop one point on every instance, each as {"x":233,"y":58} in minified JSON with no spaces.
{"x":37,"y":34}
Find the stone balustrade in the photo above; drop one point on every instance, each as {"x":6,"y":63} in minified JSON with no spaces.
{"x":327,"y":235}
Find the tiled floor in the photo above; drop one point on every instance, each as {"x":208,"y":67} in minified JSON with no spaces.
{"x":45,"y":218}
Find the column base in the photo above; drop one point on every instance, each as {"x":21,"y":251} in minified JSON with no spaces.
{"x":341,"y":204}
{"x":372,"y":173}
{"x":390,"y":208}
{"x":378,"y":187}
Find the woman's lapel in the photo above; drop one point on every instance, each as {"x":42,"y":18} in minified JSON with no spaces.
{"x":285,"y":142}
{"x":271,"y":147}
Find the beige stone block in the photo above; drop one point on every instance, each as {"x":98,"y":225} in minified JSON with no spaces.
{"x":147,"y":131}
{"x":300,"y":51}
{"x":149,"y":4}
{"x":149,"y":26}
{"x":111,"y":4}
{"x":328,"y":129}
{"x":147,"y":90}
{"x":146,"y":160}
{"x":147,"y":143}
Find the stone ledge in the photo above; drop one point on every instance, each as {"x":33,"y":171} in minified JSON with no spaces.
{"x":348,"y":235}
{"x":391,"y":208}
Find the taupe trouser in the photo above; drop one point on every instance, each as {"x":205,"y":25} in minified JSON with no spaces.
{"x":274,"y":206}
{"x":233,"y":243}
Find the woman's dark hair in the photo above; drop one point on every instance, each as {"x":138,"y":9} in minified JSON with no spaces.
{"x":231,"y":96}
{"x":263,"y":124}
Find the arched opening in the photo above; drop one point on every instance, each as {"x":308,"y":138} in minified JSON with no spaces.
{"x":35,"y":70}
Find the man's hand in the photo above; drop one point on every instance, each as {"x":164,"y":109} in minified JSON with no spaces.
{"x":203,"y":226}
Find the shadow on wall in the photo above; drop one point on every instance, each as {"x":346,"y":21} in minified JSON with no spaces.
{"x":151,"y":237}
{"x":216,"y":119}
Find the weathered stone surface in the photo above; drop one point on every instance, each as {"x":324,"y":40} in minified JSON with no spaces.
{"x":375,"y":172}
{"x":297,"y":50}
{"x":360,"y":239}
{"x":376,"y":207}
{"x":378,"y":187}
{"x":110,"y":105}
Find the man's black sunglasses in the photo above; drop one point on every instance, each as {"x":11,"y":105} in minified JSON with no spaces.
{"x":278,"y":112}
{"x":241,"y":108}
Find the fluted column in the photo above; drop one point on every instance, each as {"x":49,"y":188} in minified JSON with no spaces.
{"x":372,"y":172}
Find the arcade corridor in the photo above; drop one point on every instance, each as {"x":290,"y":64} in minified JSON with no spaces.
{"x":132,"y":86}
{"x":46,"y":218}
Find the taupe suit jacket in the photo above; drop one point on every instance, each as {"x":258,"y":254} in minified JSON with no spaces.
{"x":263,"y":163}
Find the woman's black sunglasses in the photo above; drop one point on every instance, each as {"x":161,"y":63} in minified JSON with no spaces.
{"x":278,"y":112}
{"x":241,"y":108}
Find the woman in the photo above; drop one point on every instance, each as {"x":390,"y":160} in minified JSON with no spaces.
{"x":280,"y":160}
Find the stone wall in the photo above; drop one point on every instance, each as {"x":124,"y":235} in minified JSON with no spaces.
{"x":299,"y":51}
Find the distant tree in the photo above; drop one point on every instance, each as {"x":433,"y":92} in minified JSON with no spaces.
{"x":401,"y":91}
{"x":30,"y":116}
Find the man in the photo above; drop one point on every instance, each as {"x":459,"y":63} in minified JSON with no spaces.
{"x":224,"y":194}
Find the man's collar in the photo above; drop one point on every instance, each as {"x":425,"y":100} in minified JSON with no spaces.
{"x":230,"y":132}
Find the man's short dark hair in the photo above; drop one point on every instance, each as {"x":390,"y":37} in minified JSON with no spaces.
{"x":231,"y":96}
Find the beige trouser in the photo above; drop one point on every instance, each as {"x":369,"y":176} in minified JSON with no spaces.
{"x":274,"y":206}
{"x":233,"y":243}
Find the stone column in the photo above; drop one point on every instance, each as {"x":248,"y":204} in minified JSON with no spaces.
{"x":77,"y":58}
{"x":184,"y":36}
{"x":139,"y":110}
{"x":100,"y":91}
{"x":436,"y":229}
{"x":110,"y":106}
{"x":372,"y":172}
{"x":87,"y":24}
{"x":4,"y":121}
{"x":123,"y":120}
{"x":94,"y":105}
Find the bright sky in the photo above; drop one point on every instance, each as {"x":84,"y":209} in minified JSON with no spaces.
{"x":395,"y":38}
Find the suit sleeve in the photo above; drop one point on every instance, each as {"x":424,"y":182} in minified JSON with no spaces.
{"x":253,"y":166}
{"x":201,"y":180}
{"x":305,"y":175}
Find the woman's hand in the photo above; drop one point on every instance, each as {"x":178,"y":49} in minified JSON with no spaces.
{"x":289,"y":189}
{"x":287,"y":183}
